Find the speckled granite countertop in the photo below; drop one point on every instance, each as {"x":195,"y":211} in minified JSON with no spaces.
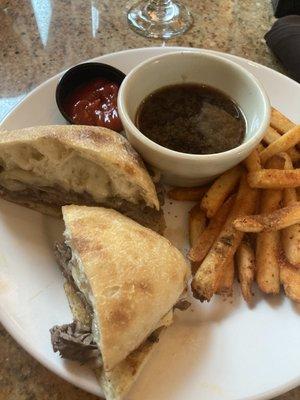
{"x":39,"y":39}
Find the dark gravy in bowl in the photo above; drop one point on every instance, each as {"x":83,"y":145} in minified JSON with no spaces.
{"x":191,"y":118}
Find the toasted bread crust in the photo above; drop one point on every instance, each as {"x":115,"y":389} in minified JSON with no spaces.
{"x":135,"y":276}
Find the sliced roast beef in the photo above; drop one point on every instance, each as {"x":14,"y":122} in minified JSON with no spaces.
{"x":74,"y":342}
{"x":57,"y":197}
{"x":63,"y":255}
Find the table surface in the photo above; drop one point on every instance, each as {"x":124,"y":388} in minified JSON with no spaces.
{"x":39,"y":39}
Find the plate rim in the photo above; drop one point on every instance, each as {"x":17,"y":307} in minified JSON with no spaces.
{"x":12,"y":327}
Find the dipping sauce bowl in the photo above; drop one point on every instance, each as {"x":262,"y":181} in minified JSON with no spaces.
{"x":197,"y":67}
{"x":87,"y":95}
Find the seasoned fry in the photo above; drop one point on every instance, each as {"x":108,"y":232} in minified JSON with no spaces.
{"x":207,"y":279}
{"x":220,"y":190}
{"x":187,"y":193}
{"x":227,"y":278}
{"x":260,"y":147}
{"x":290,"y":236}
{"x":287,"y":162}
{"x":290,"y":196}
{"x":274,"y":221}
{"x":197,"y":221}
{"x":271,"y":135}
{"x":291,"y":244}
{"x":245,"y":261}
{"x":267,"y":247}
{"x":273,"y":166}
{"x":274,"y":178}
{"x":204,"y":242}
{"x":280,"y":122}
{"x":294,"y":154}
{"x":290,"y":279}
{"x":285,"y":142}
{"x":252,"y":162}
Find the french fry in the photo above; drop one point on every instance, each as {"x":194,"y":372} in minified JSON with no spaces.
{"x":285,"y":142}
{"x":271,"y":135}
{"x":220,"y":190}
{"x":291,"y":246}
{"x":260,"y":147}
{"x":280,"y":122}
{"x":197,"y":221}
{"x":226,"y":282}
{"x":290,"y":236}
{"x":266,"y":261}
{"x":287,"y":161}
{"x":267,"y":247}
{"x":274,"y":178}
{"x":290,"y":279}
{"x":245,"y":260}
{"x":294,"y":154}
{"x":204,"y":242}
{"x":187,"y":193}
{"x":274,"y":221}
{"x":207,"y":279}
{"x":289,"y":194}
{"x":252,"y":162}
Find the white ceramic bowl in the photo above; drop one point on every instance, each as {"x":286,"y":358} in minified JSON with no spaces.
{"x":182,"y":169}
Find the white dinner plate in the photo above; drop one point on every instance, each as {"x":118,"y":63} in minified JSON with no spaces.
{"x":221,"y":350}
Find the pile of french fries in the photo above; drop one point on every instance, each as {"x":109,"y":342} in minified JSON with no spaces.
{"x":247,"y":223}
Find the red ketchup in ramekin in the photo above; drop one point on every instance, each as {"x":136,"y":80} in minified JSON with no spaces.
{"x":94,"y":103}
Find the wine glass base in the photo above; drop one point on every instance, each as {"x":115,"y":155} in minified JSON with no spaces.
{"x":144,"y":21}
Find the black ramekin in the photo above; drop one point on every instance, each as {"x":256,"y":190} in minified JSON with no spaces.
{"x":81,"y":73}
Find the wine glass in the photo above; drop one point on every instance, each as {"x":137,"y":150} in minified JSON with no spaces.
{"x":159,"y":18}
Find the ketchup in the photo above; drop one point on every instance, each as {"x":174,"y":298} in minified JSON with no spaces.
{"x":94,"y":103}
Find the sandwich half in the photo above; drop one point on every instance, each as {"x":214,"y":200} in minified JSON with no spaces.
{"x":123,"y":282}
{"x":47,"y":167}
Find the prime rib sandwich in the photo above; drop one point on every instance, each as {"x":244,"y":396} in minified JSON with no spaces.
{"x":47,"y":167}
{"x":123,"y":282}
